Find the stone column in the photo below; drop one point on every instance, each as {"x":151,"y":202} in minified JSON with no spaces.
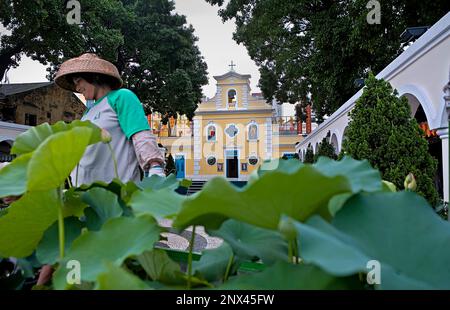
{"x":198,"y":136}
{"x":443,"y":133}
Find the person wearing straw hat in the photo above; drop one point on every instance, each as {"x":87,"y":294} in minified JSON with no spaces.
{"x":119,"y":112}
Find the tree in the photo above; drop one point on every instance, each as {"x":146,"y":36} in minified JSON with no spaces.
{"x":382,"y":131}
{"x":160,"y":58}
{"x":309,"y":156}
{"x":39,"y":29}
{"x":314,"y":50}
{"x":325,"y":149}
{"x":170,"y":165}
{"x":153,"y":48}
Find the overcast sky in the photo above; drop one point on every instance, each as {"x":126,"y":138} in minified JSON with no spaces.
{"x":215,"y":44}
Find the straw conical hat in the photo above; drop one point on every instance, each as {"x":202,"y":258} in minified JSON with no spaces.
{"x":86,"y":63}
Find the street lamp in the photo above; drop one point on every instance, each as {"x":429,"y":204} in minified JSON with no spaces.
{"x":413,"y":33}
{"x":359,"y":82}
{"x":410,"y":34}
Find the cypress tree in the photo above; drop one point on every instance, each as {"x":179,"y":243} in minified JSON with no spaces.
{"x":382,"y":131}
{"x":325,"y":149}
{"x":170,"y":165}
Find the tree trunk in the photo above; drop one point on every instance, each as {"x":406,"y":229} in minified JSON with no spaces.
{"x":5,"y":63}
{"x":5,"y":58}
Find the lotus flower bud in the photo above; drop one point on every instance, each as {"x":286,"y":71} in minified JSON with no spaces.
{"x":106,"y":136}
{"x":287,"y":228}
{"x":410,"y":182}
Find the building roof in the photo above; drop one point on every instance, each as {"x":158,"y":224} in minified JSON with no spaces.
{"x":232,"y":74}
{"x":17,"y":88}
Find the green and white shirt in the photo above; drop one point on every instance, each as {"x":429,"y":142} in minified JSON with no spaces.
{"x":121,"y":113}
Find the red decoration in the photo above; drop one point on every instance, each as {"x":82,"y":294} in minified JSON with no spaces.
{"x":427,"y":132}
{"x":308,"y":119}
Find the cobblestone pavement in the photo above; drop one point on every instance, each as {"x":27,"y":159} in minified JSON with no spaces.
{"x":180,"y":241}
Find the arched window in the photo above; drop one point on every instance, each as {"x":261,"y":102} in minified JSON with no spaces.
{"x":211,"y":160}
{"x":211,"y":133}
{"x":232,"y":100}
{"x":253,"y":160}
{"x":252,"y":130}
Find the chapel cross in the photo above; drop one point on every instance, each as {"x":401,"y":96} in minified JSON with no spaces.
{"x":232,"y":66}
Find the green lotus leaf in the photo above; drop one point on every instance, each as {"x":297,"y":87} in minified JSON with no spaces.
{"x":27,"y":219}
{"x":31,"y":139}
{"x":399,"y":230}
{"x":251,"y":242}
{"x":104,"y":205}
{"x":116,"y":278}
{"x":158,"y":265}
{"x":56,"y":157}
{"x":163,"y":203}
{"x":118,"y":239}
{"x":73,"y":205}
{"x":156,"y":182}
{"x":264,"y":201}
{"x":13,"y":177}
{"x":285,"y":276}
{"x":213,"y":263}
{"x":360,"y":174}
{"x":47,"y":251}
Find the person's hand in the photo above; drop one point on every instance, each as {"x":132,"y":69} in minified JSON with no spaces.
{"x":156,"y":169}
{"x":10,"y":199}
{"x":45,"y":274}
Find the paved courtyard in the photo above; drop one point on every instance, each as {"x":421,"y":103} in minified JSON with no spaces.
{"x":180,"y":241}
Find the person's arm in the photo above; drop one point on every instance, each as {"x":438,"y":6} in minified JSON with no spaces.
{"x":135,"y":126}
{"x":148,"y":153}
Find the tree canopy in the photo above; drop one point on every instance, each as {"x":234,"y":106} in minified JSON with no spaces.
{"x":153,"y":48}
{"x":315,"y":50}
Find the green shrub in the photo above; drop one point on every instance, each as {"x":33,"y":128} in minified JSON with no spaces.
{"x":170,"y":165}
{"x":382,"y":131}
{"x":309,"y":156}
{"x":325,"y":149}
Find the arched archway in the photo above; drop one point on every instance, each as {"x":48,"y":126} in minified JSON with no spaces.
{"x":344,"y":136}
{"x":434,"y":146}
{"x":424,"y":113}
{"x":418,"y":97}
{"x":5,"y":150}
{"x":309,"y":148}
{"x":334,"y":143}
